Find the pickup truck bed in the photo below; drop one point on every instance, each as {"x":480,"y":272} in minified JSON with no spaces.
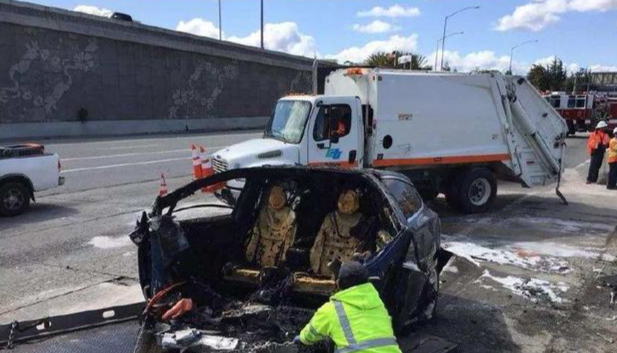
{"x":24,"y":170}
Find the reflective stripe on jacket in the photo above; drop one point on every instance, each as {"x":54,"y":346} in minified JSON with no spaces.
{"x":612,"y":150}
{"x":596,"y":139}
{"x":356,"y":320}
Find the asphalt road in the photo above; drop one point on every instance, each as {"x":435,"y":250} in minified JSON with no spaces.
{"x":70,"y":252}
{"x":102,"y":163}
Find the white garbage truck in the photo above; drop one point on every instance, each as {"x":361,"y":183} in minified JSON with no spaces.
{"x":450,"y":133}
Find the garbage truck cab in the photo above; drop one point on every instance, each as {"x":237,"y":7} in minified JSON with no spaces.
{"x":449,"y":133}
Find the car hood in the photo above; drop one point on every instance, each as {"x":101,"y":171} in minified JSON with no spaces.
{"x":258,"y":151}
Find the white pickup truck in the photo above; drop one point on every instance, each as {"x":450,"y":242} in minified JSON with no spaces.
{"x":450,"y":133}
{"x":24,"y":170}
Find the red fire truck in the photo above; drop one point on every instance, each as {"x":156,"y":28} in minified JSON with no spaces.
{"x":583,"y":111}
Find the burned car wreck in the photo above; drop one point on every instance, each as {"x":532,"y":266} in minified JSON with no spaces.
{"x":258,"y":270}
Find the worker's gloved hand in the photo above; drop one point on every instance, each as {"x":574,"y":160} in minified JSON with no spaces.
{"x":362,"y":256}
{"x":182,"y":307}
{"x":297,"y":340}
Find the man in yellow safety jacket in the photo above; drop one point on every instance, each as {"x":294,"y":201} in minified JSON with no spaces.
{"x":612,"y":162}
{"x":355,"y":318}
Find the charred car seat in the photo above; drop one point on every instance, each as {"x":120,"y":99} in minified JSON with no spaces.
{"x":334,"y":239}
{"x":270,"y":238}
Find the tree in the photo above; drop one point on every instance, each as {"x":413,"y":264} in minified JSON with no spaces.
{"x":578,"y":81}
{"x":552,"y":77}
{"x":538,"y":77}
{"x":391,"y":60}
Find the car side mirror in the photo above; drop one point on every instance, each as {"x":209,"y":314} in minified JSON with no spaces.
{"x":334,"y":138}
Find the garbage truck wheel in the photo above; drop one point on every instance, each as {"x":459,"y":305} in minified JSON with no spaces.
{"x":477,"y":191}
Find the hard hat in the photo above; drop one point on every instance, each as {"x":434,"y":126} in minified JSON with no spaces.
{"x":348,"y":202}
{"x":277,"y":198}
{"x":601,"y":125}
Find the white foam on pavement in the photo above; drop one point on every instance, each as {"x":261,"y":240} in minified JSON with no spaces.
{"x":531,"y":288}
{"x":478,"y":253}
{"x":104,"y":242}
{"x":561,"y":225}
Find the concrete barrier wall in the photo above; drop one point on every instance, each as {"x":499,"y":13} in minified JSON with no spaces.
{"x":66,"y":73}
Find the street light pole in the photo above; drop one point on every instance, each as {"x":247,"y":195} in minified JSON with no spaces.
{"x":220,"y":24}
{"x":262,"y":24}
{"x":516,"y":46}
{"x":437,"y":50}
{"x":445,"y":26}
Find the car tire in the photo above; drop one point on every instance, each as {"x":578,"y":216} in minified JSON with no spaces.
{"x":14,"y":199}
{"x":477,"y":191}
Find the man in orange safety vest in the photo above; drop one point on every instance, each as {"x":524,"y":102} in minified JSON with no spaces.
{"x":596,"y":146}
{"x":612,"y":162}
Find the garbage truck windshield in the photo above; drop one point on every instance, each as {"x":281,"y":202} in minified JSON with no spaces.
{"x":288,"y":120}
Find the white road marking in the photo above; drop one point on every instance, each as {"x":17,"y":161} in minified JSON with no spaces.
{"x":132,"y":147}
{"x":124,"y":155}
{"x":187,"y":150}
{"x":125,"y":165}
{"x":581,"y":164}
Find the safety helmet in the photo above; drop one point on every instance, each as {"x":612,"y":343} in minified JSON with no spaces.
{"x":348,"y":202}
{"x":602,"y":125}
{"x":277,"y":198}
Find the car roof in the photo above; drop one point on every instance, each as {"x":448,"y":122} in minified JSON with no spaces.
{"x":293,"y":172}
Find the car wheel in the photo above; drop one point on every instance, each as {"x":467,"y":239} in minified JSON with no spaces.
{"x":14,"y":199}
{"x":477,"y":191}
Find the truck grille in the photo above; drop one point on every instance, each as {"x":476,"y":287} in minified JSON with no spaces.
{"x":219,"y":165}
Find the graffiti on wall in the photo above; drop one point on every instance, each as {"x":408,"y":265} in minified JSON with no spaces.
{"x":204,"y":86}
{"x":27,"y":90}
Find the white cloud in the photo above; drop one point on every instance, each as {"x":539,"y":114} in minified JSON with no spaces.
{"x":593,"y":5}
{"x":284,"y":37}
{"x":481,"y":60}
{"x":488,"y":60}
{"x":359,"y":54}
{"x":538,"y":14}
{"x":393,"y":11}
{"x":376,"y":26}
{"x":200,"y":27}
{"x":93,"y":10}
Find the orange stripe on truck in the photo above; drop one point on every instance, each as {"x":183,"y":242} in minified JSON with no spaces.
{"x":441,"y":160}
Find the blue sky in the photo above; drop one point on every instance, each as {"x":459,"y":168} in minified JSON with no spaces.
{"x":583,"y":33}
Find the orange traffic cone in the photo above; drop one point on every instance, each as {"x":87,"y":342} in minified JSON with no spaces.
{"x":206,"y":163}
{"x":163,"y":189}
{"x":206,"y":169}
{"x":196,"y":163}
